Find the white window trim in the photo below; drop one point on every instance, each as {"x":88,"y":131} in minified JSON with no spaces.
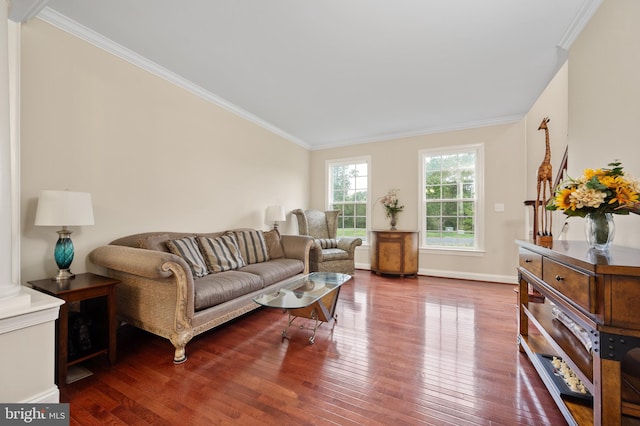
{"x":327,"y":182}
{"x":479,"y":218}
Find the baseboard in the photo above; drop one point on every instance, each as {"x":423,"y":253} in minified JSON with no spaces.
{"x":472,"y":276}
{"x":50,"y":396}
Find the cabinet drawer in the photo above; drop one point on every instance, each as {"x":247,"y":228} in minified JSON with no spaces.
{"x":531,"y":261}
{"x":575,"y":285}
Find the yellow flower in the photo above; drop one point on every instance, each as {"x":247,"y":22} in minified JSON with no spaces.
{"x":624,"y":196}
{"x":563,"y":199}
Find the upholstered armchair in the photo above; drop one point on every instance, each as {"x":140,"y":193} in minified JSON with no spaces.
{"x":328,"y":253}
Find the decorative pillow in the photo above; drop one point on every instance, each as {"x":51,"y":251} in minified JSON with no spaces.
{"x":187,"y":248}
{"x":327,"y":243}
{"x":274,"y":245}
{"x":154,"y":242}
{"x":253,"y":248}
{"x":221,"y":253}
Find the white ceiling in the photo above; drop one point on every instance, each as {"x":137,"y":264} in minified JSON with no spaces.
{"x":338,"y":72}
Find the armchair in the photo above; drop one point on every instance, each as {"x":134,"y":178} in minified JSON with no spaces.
{"x":328,"y":253}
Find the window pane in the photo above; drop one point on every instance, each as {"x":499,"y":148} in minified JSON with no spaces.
{"x":433,"y":192}
{"x":449,"y":191}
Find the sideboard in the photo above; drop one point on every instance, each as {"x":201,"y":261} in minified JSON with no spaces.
{"x":394,"y":252}
{"x":599,"y":294}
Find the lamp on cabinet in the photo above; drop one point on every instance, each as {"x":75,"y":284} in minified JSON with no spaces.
{"x":64,"y":208}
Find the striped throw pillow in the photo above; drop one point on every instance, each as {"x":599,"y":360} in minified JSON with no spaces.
{"x":187,"y":248}
{"x":221,"y":253}
{"x":252,"y":245}
{"x":327,"y":243}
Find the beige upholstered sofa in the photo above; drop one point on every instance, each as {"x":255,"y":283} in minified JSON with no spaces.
{"x":329,"y":253}
{"x":178,"y":285}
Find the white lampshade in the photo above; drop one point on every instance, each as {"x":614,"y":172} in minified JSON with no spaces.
{"x":64,"y":208}
{"x":275,"y":214}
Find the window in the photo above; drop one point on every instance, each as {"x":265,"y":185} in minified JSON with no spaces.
{"x":348,"y":189}
{"x":452,"y":203}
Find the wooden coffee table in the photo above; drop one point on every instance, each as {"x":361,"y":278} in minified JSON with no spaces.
{"x":312,"y":296}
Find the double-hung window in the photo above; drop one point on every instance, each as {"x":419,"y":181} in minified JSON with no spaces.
{"x":452,"y":181}
{"x":348,"y":190}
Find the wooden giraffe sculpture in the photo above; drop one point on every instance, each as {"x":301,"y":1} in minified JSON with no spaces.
{"x":545,"y":177}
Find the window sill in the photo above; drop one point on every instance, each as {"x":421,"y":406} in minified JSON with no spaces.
{"x":453,"y":251}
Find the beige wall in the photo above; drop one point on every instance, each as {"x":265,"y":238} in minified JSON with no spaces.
{"x":153,"y":156}
{"x":395,"y":164}
{"x":604,"y":106}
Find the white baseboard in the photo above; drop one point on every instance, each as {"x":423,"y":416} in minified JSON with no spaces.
{"x":50,"y":396}
{"x":473,"y":276}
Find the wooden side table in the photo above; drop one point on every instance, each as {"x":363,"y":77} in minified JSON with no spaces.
{"x":394,"y":252}
{"x":84,"y":287}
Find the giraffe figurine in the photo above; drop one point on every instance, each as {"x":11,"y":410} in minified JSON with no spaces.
{"x":545,"y":176}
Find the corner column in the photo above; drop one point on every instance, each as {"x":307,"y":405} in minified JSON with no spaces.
{"x":8,"y":288}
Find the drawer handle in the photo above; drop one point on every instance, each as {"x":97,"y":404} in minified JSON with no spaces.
{"x":528,"y":261}
{"x":559,"y":278}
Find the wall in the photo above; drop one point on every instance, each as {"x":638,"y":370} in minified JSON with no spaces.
{"x":395,"y":164}
{"x":604,"y":89}
{"x":153,"y":156}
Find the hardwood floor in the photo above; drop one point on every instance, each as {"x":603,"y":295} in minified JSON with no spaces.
{"x":405,"y":351}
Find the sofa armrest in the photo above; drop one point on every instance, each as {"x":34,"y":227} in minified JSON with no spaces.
{"x":156,"y":292}
{"x":135,"y":261}
{"x":349,"y":244}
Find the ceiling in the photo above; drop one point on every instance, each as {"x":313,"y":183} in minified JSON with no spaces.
{"x":338,"y":72}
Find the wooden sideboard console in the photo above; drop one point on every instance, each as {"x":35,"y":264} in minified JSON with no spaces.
{"x":394,"y":252}
{"x":600,"y":293}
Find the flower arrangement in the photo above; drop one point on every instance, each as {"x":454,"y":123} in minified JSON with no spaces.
{"x":391,"y":203}
{"x":607,"y":190}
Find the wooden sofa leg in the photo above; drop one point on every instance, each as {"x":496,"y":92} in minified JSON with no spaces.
{"x":180,"y":341}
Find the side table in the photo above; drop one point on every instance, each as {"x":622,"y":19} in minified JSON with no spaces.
{"x":84,"y":287}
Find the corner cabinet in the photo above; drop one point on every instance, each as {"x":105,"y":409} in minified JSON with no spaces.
{"x":394,"y":252}
{"x":598,"y":296}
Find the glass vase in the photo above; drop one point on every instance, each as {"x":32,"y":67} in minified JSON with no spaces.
{"x":394,"y":221}
{"x":600,"y":230}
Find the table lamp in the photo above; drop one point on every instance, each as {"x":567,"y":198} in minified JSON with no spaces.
{"x":64,"y":208}
{"x":275,"y":214}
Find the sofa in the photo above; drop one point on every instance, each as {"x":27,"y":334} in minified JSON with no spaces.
{"x":178,"y":285}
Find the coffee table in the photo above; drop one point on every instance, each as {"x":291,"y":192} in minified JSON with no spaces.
{"x":313,"y":296}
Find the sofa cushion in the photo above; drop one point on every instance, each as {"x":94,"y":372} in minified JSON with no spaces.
{"x":188,"y":249}
{"x":275,"y":270}
{"x":221,"y":253}
{"x":334,"y":254}
{"x":219,"y":288}
{"x":253,"y":248}
{"x":274,"y":244}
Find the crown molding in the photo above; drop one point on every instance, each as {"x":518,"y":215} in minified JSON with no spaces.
{"x":509,"y":119}
{"x":583,"y":17}
{"x":23,"y":10}
{"x":72,"y":27}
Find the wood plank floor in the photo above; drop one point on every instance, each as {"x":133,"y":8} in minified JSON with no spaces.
{"x":405,"y":351}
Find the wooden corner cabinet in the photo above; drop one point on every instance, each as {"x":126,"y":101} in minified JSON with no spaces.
{"x":589,"y":317}
{"x":394,"y":252}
